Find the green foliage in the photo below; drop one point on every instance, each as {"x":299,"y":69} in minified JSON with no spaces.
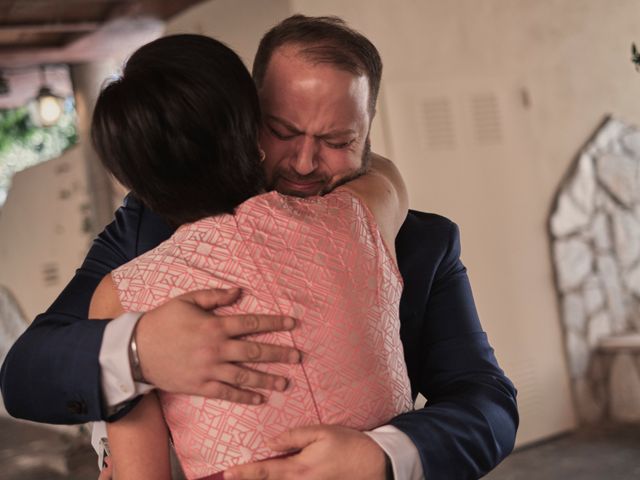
{"x":23,"y":144}
{"x":15,"y":126}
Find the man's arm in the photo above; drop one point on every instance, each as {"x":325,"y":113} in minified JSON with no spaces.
{"x":139,"y":442}
{"x":52,"y":372}
{"x":469,"y":423}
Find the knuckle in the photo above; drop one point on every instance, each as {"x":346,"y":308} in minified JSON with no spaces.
{"x":251,"y":323}
{"x":241,"y":377}
{"x":215,"y":352}
{"x":265,"y":381}
{"x":222,"y":393}
{"x":254,"y":351}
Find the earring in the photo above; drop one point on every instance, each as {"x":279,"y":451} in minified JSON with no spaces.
{"x":262,"y":155}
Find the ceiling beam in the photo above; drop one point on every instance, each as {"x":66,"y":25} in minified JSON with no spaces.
{"x":50,"y":28}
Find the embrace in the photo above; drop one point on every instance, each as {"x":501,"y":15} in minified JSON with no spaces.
{"x":263,"y":297}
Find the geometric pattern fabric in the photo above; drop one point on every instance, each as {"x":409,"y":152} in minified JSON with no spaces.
{"x":319,"y":259}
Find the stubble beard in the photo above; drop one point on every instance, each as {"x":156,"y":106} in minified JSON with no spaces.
{"x":327,"y":185}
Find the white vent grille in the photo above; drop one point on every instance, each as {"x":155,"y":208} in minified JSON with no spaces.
{"x":437,"y":117}
{"x":50,"y":274}
{"x":524,"y":377}
{"x":485,"y":117}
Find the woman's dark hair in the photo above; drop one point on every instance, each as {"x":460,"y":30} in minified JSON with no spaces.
{"x":180,"y":128}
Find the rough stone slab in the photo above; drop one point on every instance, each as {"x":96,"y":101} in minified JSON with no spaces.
{"x":619,"y":173}
{"x":599,"y":328}
{"x":593,"y":296}
{"x":631,"y":142}
{"x":624,"y":389}
{"x":573,"y":262}
{"x":599,"y":232}
{"x":608,"y":270}
{"x":573,"y":313}
{"x":568,"y":217}
{"x":578,"y":355}
{"x":632,"y":279}
{"x":626,"y":234}
{"x":582,"y":187}
{"x":609,"y":133}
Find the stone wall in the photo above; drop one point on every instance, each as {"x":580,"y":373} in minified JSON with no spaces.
{"x":595,"y":234}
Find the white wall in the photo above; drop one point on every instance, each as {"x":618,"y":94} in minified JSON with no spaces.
{"x":513,"y":90}
{"x":43,"y":234}
{"x":239,"y":24}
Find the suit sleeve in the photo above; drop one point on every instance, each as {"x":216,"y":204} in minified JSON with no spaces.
{"x":52,"y":373}
{"x":469,"y":423}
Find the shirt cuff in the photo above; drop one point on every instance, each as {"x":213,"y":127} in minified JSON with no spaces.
{"x":117,"y":382}
{"x":405,"y":459}
{"x":99,"y":441}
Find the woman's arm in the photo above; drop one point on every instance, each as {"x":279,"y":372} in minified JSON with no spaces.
{"x":382,"y":189}
{"x":139,"y":441}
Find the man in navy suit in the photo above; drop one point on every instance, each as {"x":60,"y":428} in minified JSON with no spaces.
{"x":317,"y":116}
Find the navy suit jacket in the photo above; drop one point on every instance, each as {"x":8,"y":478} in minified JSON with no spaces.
{"x":52,"y":372}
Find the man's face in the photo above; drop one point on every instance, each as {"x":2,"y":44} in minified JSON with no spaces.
{"x":315,"y":130}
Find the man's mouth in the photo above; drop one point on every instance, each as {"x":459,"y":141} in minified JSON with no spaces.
{"x":298,"y":187}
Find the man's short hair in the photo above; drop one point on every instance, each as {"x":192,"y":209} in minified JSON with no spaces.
{"x":180,"y":128}
{"x":323,"y":40}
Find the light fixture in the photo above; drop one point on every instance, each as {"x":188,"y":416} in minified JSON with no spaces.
{"x":48,"y":106}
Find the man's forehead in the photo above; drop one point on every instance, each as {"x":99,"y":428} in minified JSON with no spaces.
{"x":315,"y":55}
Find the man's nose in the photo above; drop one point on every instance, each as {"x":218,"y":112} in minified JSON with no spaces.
{"x":305,"y":161}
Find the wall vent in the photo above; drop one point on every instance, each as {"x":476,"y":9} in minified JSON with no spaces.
{"x":437,"y":117}
{"x":50,"y":274}
{"x":485,"y":117}
{"x":524,"y":377}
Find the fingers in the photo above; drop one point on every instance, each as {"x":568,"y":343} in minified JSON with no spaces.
{"x":265,"y":470}
{"x":222,"y":391}
{"x":295,"y":439}
{"x":245,"y":351}
{"x":243,"y":377}
{"x":213,"y":297}
{"x":237,"y":325}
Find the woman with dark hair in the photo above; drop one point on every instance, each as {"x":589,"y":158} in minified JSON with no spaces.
{"x":180,"y":129}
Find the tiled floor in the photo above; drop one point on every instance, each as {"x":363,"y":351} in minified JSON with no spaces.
{"x":608,"y":452}
{"x":29,"y":451}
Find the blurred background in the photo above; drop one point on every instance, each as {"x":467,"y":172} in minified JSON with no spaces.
{"x":516,"y":119}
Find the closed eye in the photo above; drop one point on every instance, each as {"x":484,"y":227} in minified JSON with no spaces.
{"x":338,"y":146}
{"x":282,"y":136}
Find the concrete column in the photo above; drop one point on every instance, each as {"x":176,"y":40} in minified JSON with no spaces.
{"x":87,"y":80}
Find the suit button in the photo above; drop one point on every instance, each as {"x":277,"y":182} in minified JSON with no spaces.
{"x":76,"y":407}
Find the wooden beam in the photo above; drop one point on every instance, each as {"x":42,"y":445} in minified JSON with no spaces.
{"x":50,"y":28}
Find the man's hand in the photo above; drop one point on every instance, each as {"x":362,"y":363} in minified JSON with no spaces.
{"x":327,"y":452}
{"x":184,"y":348}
